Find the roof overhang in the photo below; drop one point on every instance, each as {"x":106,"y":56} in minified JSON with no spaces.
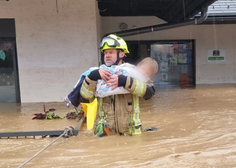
{"x":171,"y":11}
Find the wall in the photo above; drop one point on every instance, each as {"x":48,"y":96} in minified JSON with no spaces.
{"x":206,"y":36}
{"x":54,"y":45}
{"x":99,"y":32}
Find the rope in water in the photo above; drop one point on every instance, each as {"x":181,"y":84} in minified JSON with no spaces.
{"x":67,"y":132}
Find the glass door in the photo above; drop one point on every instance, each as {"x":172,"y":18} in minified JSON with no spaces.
{"x":9,"y":90}
{"x":176,"y":63}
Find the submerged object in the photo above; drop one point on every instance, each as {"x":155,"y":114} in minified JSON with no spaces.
{"x":51,"y":133}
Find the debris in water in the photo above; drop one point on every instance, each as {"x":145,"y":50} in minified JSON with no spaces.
{"x":176,"y":156}
{"x":48,"y":114}
{"x":77,"y":114}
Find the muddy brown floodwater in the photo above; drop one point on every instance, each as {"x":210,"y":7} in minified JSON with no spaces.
{"x":196,"y":128}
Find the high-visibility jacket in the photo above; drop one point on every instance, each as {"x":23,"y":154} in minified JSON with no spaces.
{"x":119,"y":112}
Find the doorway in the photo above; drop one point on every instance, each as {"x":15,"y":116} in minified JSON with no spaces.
{"x":9,"y":85}
{"x":134,"y":55}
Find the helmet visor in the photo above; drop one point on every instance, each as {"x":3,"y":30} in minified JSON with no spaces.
{"x":110,"y":42}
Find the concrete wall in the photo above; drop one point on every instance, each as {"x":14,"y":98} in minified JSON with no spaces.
{"x":206,"y":36}
{"x":54,"y":45}
{"x":99,"y":32}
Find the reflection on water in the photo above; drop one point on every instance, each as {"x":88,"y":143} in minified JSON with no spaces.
{"x":196,"y":128}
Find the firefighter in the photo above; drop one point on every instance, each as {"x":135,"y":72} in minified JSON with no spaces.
{"x":118,"y":113}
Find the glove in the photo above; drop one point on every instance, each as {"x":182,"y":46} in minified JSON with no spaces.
{"x":94,"y":75}
{"x":122,"y":80}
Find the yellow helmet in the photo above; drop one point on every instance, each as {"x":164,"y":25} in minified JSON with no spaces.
{"x":112,"y":41}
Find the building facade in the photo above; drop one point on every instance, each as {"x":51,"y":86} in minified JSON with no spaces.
{"x":55,"y":41}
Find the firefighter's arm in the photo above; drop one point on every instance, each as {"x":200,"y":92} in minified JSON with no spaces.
{"x":136,"y":87}
{"x":88,"y":87}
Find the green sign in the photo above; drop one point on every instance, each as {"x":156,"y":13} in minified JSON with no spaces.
{"x":216,"y":56}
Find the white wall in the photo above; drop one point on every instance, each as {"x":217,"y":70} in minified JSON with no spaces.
{"x":206,"y":36}
{"x":53,"y":48}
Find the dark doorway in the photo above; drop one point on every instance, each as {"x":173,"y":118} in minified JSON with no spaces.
{"x":9,"y":85}
{"x":134,"y":56}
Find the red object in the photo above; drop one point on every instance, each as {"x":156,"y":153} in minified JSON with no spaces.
{"x":184,"y":80}
{"x":106,"y":129}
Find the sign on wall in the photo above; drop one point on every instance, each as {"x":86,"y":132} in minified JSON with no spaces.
{"x":216,"y":55}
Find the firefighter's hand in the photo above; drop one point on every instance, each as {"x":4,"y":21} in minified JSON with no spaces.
{"x":113,"y":82}
{"x":117,"y":81}
{"x":105,"y":74}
